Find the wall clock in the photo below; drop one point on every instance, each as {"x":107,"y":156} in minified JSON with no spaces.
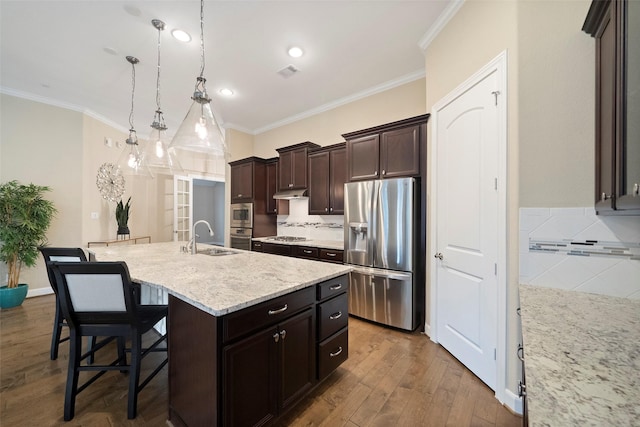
{"x":110,"y":182}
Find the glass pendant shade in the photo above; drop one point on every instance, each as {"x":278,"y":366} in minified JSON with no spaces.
{"x":160,"y":158}
{"x":132,"y":160}
{"x":199,"y":130}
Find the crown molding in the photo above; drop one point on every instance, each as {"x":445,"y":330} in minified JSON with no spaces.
{"x":56,"y":103}
{"x":440,"y":23}
{"x":343,"y":101}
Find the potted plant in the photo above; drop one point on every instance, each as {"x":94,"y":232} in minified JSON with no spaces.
{"x":25,"y":216}
{"x":122,"y":216}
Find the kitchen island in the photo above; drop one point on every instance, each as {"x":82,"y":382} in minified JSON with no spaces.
{"x":250,"y":334}
{"x":582,"y":358}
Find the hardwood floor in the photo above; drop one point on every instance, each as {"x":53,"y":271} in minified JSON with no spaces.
{"x":390,"y":378}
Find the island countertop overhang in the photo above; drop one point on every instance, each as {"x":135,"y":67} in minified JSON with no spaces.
{"x":218,"y":285}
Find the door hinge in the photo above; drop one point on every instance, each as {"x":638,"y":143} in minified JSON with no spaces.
{"x":495,"y":93}
{"x":495,"y":268}
{"x":495,"y":184}
{"x":495,"y":354}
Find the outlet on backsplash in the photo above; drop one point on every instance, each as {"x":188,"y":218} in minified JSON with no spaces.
{"x":316,"y":227}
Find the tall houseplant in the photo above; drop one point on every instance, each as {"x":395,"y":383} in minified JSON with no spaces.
{"x":122,"y":216}
{"x":25,"y":216}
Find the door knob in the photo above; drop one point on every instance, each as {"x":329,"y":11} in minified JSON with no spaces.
{"x":439,"y":256}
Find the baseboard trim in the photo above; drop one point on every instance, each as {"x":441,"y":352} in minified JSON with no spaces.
{"x":39,"y":292}
{"x":513,"y":402}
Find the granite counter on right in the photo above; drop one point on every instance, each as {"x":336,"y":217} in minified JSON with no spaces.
{"x":581,"y":358}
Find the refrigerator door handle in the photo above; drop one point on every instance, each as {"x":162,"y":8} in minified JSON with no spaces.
{"x":387,"y":274}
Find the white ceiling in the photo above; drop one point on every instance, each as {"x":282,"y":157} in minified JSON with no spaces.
{"x":54,"y":51}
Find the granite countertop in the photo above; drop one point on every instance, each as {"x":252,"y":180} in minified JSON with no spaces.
{"x":218,"y":284}
{"x":323,"y":244}
{"x":582,"y":358}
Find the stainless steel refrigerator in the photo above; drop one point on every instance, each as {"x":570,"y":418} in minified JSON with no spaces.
{"x":380,"y":243}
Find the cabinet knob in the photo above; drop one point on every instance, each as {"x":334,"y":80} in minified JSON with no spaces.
{"x":636,"y":189}
{"x":239,"y":195}
{"x":276,"y":337}
{"x":330,"y":209}
{"x":290,"y":185}
{"x":604,"y":197}
{"x":383,"y":172}
{"x":326,"y":209}
{"x":283,"y":334}
{"x":375,"y":172}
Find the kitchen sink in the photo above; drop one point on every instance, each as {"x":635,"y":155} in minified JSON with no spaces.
{"x":217,"y":252}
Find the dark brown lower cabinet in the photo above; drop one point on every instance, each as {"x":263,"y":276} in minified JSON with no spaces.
{"x":269,"y":371}
{"x":247,"y":367}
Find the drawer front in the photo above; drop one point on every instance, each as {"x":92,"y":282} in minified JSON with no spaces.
{"x":256,"y":246}
{"x":332,"y":255}
{"x":332,"y":287}
{"x":332,"y":352}
{"x":306,"y":252}
{"x":268,"y":313}
{"x":333,"y":315}
{"x":275,"y":248}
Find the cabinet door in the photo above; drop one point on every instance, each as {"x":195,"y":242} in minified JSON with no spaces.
{"x":363,"y":158}
{"x":250,"y":380}
{"x":400,"y":152}
{"x":319,"y":171}
{"x":337,"y":178}
{"x":297,"y":356}
{"x":242,"y":182}
{"x":605,"y":112}
{"x":285,"y":180}
{"x":272,"y":181}
{"x":629,"y":190}
{"x":299,"y":168}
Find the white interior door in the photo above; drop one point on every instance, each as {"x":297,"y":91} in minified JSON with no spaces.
{"x":467,"y":150}
{"x":182,"y":211}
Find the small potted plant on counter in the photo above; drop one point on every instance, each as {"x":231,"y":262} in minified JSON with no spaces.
{"x":122,"y":216}
{"x":25,"y":216}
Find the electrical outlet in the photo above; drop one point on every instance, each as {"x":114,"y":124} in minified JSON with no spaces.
{"x":118,"y":144}
{"x":108,"y":142}
{"x":95,"y":215}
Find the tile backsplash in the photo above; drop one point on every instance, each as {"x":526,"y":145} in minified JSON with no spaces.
{"x":573,"y":248}
{"x":317,"y":227}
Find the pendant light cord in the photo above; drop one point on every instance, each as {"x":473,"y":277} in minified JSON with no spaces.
{"x":158,"y":76}
{"x":201,"y":38}
{"x":133,"y":91}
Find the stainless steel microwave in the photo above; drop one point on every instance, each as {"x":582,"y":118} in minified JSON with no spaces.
{"x":242,"y":215}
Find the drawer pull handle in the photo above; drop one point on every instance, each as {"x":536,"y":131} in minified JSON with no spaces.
{"x":335,"y":287}
{"x":306,"y":251}
{"x":278,"y":311}
{"x":335,"y":316}
{"x":336,"y":353}
{"x":331,"y":254}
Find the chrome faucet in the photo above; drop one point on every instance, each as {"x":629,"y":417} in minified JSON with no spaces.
{"x":192,"y":242}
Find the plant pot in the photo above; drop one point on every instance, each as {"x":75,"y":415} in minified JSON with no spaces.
{"x":123,"y":230}
{"x":13,"y":297}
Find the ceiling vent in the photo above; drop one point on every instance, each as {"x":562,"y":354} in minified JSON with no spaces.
{"x":288,"y":71}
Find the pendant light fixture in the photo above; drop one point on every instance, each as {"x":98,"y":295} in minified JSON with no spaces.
{"x":131,"y":160}
{"x":160,"y":158}
{"x":199,"y":130}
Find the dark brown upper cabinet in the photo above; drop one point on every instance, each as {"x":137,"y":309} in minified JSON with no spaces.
{"x":280,"y":207}
{"x":387,"y":151}
{"x":242,"y":180}
{"x":292,"y":166}
{"x":615,"y":24}
{"x":327,"y":175}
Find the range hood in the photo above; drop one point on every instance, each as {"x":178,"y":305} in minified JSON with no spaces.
{"x":290,"y":194}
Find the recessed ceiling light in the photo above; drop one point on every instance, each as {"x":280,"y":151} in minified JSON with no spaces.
{"x":295,"y":52}
{"x":110,"y":50}
{"x":180,"y":35}
{"x":226,"y":92}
